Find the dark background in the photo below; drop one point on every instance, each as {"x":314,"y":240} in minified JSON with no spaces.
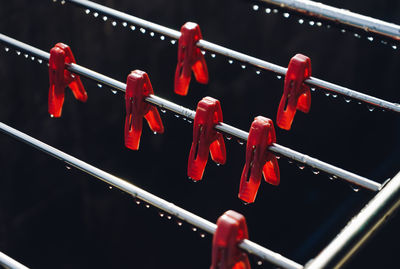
{"x":53,"y":217}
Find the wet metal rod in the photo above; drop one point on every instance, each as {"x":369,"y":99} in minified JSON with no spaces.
{"x":338,"y":15}
{"x":10,"y":263}
{"x":149,"y":198}
{"x":222,"y":127}
{"x":361,"y":228}
{"x":203,"y":44}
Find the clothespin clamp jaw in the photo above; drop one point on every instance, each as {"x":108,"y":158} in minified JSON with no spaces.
{"x":296,"y":94}
{"x":190,"y":59}
{"x":60,"y":78}
{"x":137,"y":89}
{"x":231,"y":231}
{"x":206,"y":138}
{"x":259,"y":161}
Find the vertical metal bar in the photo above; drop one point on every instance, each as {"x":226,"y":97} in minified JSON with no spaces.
{"x":359,"y":229}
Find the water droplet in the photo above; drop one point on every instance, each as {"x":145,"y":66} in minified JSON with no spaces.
{"x":184,"y":118}
{"x":179,"y":223}
{"x":331,"y":178}
{"x":255,"y":7}
{"x":173,"y":41}
{"x":105,"y":18}
{"x":18,"y":52}
{"x":114,"y":91}
{"x":32,"y":58}
{"x":162,"y":37}
{"x":301,"y":21}
{"x":87,"y":11}
{"x":275,"y":11}
{"x":290,"y":161}
{"x":99,"y":85}
{"x":189,"y":121}
{"x":286,"y":15}
{"x":370,"y":38}
{"x":54,"y":1}
{"x":327,"y":94}
{"x":357,"y":35}
{"x":62,"y":2}
{"x":114,"y":23}
{"x":68,"y":167}
{"x":202,"y":235}
{"x":259,"y":263}
{"x":228,"y":137}
{"x":347,"y":100}
{"x":278,"y":77}
{"x":163,"y":110}
{"x":343,"y":31}
{"x":315,"y":171}
{"x":311,"y":23}
{"x":95,"y":14}
{"x":267,"y":10}
{"x":384,"y":42}
{"x":328,"y":26}
{"x":359,"y":103}
{"x":110,"y":187}
{"x":169,"y":217}
{"x":371,"y":108}
{"x":152,"y":34}
{"x":147,"y":206}
{"x":300,"y":166}
{"x":194,"y":229}
{"x":6,"y":49}
{"x":277,"y":157}
{"x":161,"y":214}
{"x":176,"y":116}
{"x":51,"y":116}
{"x":258,"y":72}
{"x":142,"y":30}
{"x":312,"y":89}
{"x":203,"y":52}
{"x":319,"y":24}
{"x":155,"y":133}
{"x":26,"y":56}
{"x":355,"y":188}
{"x":334,"y":95}
{"x":133,"y":27}
{"x":243,"y":66}
{"x":230,"y":61}
{"x":245,"y":203}
{"x":218,"y":164}
{"x":137,"y":201}
{"x":124,"y":24}
{"x":394,"y":47}
{"x":212,"y":55}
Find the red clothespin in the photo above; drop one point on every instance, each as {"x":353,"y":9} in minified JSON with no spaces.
{"x":296,"y":94}
{"x":231,"y":230}
{"x":206,"y":138}
{"x":60,"y":78}
{"x":258,"y":159}
{"x":189,"y":58}
{"x":138,"y":87}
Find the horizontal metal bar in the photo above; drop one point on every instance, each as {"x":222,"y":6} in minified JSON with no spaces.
{"x":148,"y":197}
{"x":203,"y":44}
{"x":342,"y":16}
{"x":222,"y":127}
{"x":361,"y":228}
{"x":10,"y":263}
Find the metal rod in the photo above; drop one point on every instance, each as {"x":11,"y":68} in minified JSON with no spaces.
{"x":203,"y":44}
{"x":222,"y":127}
{"x":149,"y":198}
{"x":361,"y":228}
{"x":342,"y":16}
{"x":10,"y":263}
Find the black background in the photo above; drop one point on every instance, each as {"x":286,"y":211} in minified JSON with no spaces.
{"x":53,"y":217}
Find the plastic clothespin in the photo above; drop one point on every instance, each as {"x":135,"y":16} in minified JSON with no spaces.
{"x":206,"y":138}
{"x":231,"y":230}
{"x":138,"y":87}
{"x":60,"y":78}
{"x":189,"y":58}
{"x":296,"y":94}
{"x":258,"y":159}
